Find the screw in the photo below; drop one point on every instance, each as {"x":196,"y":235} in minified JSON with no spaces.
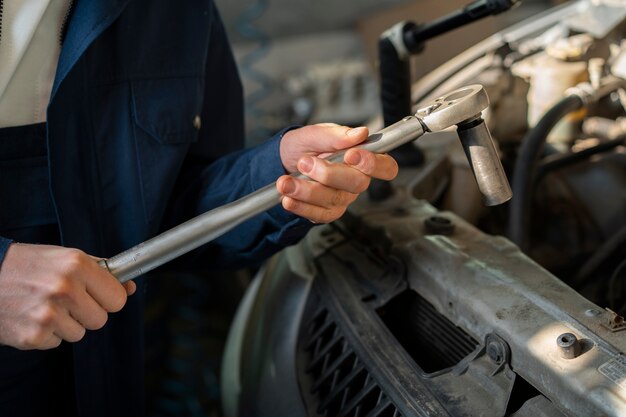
{"x":568,"y":345}
{"x":438,"y":225}
{"x":494,"y":351}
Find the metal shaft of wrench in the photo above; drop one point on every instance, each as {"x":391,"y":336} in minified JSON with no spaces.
{"x":461,"y":105}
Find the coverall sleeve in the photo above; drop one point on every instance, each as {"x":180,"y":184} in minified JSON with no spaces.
{"x":227,"y":179}
{"x":4,"y":247}
{"x":217,"y":172}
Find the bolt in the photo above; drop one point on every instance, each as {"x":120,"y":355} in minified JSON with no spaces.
{"x":497,"y":349}
{"x":592,"y":312}
{"x":568,"y":345}
{"x":494,"y":351}
{"x":438,"y":225}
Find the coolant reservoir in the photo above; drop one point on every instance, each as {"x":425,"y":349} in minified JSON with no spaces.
{"x":549,"y":74}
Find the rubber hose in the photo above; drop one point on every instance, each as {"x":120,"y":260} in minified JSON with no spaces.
{"x":523,"y":173}
{"x":599,"y":257}
{"x":575,"y":157}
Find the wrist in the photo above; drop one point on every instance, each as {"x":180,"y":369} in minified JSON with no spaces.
{"x":286,"y":154}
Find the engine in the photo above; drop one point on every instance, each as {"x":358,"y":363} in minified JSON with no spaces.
{"x":423,"y":302}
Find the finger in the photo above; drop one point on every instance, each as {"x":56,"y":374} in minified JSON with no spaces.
{"x":104,"y":288}
{"x":67,"y":328}
{"x":328,"y":138}
{"x":314,"y":193}
{"x":314,"y":213}
{"x":40,"y":338}
{"x":339,"y":176}
{"x":87,"y":311}
{"x":50,"y":341}
{"x":130,"y":287}
{"x":379,"y":166}
{"x":337,"y":138}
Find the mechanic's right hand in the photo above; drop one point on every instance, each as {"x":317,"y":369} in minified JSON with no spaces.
{"x":50,"y":293}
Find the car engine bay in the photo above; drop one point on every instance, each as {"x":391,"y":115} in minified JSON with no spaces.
{"x":421,"y":301}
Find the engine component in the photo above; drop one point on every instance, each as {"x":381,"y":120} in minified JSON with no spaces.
{"x":550,"y":74}
{"x":569,"y":345}
{"x":400,"y":320}
{"x":577,"y":97}
{"x":395,"y":48}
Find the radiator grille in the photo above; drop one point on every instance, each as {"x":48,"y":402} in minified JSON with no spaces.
{"x":341,"y":383}
{"x":433,"y":341}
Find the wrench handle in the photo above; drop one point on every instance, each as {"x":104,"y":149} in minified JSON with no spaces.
{"x":214,"y":223}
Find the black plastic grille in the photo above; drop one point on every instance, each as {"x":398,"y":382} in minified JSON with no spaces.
{"x":433,"y":341}
{"x":341,"y":383}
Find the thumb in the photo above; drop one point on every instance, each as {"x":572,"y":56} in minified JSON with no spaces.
{"x":318,"y":140}
{"x":336,"y":137}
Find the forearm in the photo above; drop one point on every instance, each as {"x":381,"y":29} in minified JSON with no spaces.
{"x":202,"y":187}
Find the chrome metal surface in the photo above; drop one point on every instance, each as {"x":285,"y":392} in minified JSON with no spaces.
{"x":485,"y":162}
{"x":453,"y":108}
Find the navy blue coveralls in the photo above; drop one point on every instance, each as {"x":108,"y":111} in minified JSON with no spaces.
{"x":119,"y":160}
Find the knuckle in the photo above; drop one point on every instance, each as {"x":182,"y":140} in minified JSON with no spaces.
{"x":289,"y":204}
{"x":74,"y":259}
{"x":61,"y":287}
{"x":78,"y":335}
{"x":322,"y":172}
{"x":362,"y":184}
{"x":55,"y":344}
{"x":44,"y":316}
{"x":337,"y":199}
{"x":98,"y":321}
{"x":118,"y":299}
{"x":33,"y":339}
{"x":368,"y":162}
{"x":332,"y":215}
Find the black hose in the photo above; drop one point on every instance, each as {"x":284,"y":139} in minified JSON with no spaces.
{"x":523,"y":174}
{"x":468,"y":14}
{"x":608,"y":248}
{"x":563,"y":161}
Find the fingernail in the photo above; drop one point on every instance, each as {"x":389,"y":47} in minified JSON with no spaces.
{"x":356,"y":131}
{"x":289,"y":186}
{"x":305,"y":164}
{"x":353,"y":158}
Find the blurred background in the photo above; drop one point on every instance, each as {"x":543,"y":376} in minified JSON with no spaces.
{"x":310,"y":62}
{"x":301,"y":62}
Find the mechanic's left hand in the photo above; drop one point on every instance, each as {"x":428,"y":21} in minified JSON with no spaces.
{"x":335,"y":186}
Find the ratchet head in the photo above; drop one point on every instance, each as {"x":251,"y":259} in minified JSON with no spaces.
{"x":453,"y":108}
{"x":463,"y":108}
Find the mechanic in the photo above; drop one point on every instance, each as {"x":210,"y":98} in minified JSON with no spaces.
{"x":125,"y":127}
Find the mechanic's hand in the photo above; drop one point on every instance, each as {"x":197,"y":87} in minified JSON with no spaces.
{"x":336,"y":185}
{"x":50,"y":293}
